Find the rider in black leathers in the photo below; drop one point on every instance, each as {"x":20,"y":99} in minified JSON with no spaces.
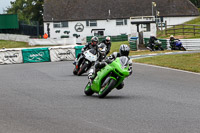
{"x":152,"y":42}
{"x":107,"y":42}
{"x":91,"y":45}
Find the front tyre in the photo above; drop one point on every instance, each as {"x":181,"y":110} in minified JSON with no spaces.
{"x":75,"y":71}
{"x":109,"y":85}
{"x":161,"y":48}
{"x":88,"y":91}
{"x":183,"y":49}
{"x":83,"y":69}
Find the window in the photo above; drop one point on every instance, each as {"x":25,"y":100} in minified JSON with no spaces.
{"x":64,"y":24}
{"x":147,"y":27}
{"x":98,"y":33}
{"x":60,"y":24}
{"x":56,"y":25}
{"x":91,"y":23}
{"x":121,"y":22}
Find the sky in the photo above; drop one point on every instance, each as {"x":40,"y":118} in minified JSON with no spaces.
{"x":4,"y":4}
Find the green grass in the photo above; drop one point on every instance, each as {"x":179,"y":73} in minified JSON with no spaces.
{"x":196,"y":21}
{"x":188,"y":62}
{"x":12,"y":44}
{"x":115,"y":46}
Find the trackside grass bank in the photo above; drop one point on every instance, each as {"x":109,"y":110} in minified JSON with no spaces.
{"x":188,"y":62}
{"x":12,"y":44}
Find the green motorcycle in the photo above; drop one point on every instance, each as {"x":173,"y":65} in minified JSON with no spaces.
{"x":109,"y":77}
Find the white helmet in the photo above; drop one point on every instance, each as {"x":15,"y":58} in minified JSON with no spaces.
{"x":151,"y":35}
{"x":108,"y":38}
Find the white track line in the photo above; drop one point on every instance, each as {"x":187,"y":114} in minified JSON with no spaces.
{"x":166,"y":68}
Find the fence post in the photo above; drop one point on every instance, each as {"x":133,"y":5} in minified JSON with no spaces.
{"x":174,"y":29}
{"x":183,"y":30}
{"x":38,"y":28}
{"x":194,"y":29}
{"x":165,"y":27}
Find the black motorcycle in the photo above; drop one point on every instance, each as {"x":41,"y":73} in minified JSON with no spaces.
{"x":156,"y":46}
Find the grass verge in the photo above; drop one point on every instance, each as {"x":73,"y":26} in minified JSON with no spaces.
{"x":12,"y":44}
{"x":188,"y":62}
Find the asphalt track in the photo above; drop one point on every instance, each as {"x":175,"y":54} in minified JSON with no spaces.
{"x":48,"y":98}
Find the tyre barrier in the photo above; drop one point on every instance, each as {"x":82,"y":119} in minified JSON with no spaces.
{"x":41,"y":54}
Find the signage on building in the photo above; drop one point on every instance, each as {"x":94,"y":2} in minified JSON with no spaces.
{"x":79,"y":27}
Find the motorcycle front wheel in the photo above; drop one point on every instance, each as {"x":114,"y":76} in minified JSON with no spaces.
{"x":75,"y":71}
{"x":183,"y":49}
{"x":83,"y":69}
{"x":109,"y":85}
{"x":88,"y":91}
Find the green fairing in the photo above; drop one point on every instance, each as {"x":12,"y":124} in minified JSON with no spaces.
{"x":115,"y":65}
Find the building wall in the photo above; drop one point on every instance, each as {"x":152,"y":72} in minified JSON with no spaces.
{"x":177,"y":20}
{"x":110,"y":27}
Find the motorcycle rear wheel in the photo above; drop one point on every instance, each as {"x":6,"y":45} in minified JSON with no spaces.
{"x":107,"y":88}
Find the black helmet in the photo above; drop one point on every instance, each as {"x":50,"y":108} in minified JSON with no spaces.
{"x":124,"y":50}
{"x":94,"y":39}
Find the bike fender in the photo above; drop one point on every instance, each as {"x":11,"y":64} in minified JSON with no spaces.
{"x":113,"y":78}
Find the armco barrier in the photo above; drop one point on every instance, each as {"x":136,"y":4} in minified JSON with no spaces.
{"x":32,"y":55}
{"x":11,"y":56}
{"x":189,"y":44}
{"x":62,"y":53}
{"x":14,"y":37}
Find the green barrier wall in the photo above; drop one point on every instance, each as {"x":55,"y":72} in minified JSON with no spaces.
{"x":133,"y":45}
{"x":164,"y":42}
{"x":113,"y":38}
{"x":78,"y":49}
{"x":36,"y":55}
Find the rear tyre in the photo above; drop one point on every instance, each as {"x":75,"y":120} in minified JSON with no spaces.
{"x":88,"y":91}
{"x":109,"y":85}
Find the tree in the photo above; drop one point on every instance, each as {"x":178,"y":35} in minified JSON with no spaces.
{"x":27,"y":10}
{"x":196,"y":3}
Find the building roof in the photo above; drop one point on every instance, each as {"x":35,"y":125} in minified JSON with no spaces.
{"x":72,"y":10}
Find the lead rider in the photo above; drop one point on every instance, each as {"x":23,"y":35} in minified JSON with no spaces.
{"x":123,"y":51}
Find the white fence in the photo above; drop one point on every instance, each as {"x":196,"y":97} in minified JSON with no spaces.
{"x":189,"y":44}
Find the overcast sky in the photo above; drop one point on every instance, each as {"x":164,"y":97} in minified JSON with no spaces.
{"x":4,"y":4}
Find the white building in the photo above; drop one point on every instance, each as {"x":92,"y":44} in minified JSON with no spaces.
{"x":111,"y":17}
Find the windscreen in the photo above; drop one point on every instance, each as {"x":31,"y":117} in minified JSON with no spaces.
{"x":93,"y":51}
{"x":124,"y":61}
